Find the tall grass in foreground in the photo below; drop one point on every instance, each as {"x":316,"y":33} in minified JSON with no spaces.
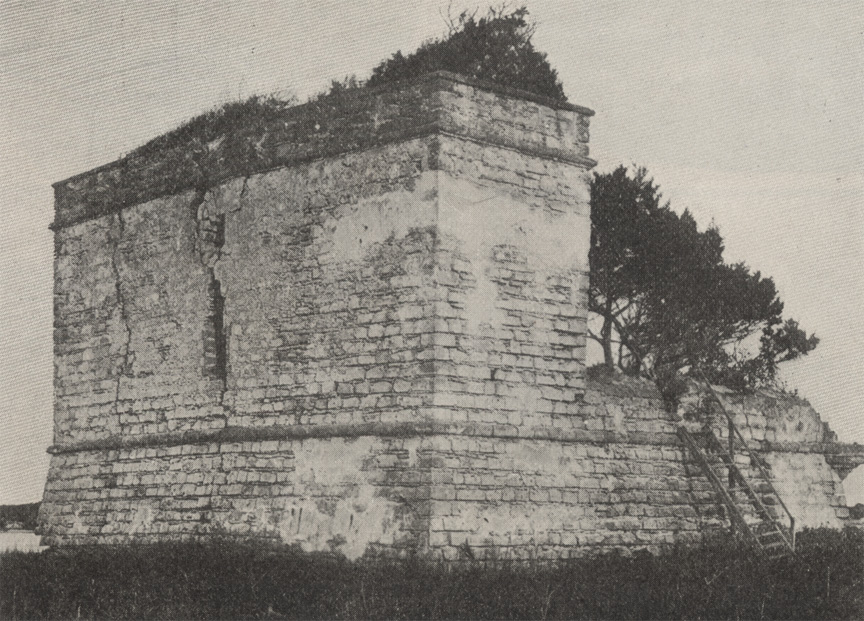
{"x":246,"y":580}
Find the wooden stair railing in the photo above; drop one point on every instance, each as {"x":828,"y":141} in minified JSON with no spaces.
{"x":718,"y":464}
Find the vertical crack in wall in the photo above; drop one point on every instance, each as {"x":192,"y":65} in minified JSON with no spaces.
{"x":208,"y":242}
{"x":219,"y":366}
{"x":125,"y":354}
{"x":210,"y":238}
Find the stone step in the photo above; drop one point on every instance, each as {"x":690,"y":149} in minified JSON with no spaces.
{"x":774,"y":535}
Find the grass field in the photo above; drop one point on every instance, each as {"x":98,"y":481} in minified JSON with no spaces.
{"x":231,"y":580}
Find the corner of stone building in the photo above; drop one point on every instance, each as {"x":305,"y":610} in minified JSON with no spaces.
{"x":403,"y":365}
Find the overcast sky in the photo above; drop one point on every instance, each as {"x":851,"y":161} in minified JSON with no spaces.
{"x":749,"y":114}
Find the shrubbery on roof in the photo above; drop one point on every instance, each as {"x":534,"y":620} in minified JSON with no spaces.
{"x":496,"y":47}
{"x":230,"y":122}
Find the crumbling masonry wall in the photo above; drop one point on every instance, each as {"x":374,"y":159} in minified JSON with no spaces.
{"x":805,"y":460}
{"x":371,"y":342}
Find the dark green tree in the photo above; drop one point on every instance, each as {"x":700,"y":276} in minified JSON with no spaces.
{"x":620,"y":257}
{"x":495,"y":47}
{"x":667,"y":299}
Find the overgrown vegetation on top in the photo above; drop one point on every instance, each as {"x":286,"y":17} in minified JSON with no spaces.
{"x":229,"y":580}
{"x":231,"y":140}
{"x":234,"y":128}
{"x":496,"y":47}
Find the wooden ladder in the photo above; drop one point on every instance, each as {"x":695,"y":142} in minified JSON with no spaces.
{"x":717,"y":462}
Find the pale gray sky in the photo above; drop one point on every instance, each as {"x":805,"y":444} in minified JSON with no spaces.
{"x":751,"y":114}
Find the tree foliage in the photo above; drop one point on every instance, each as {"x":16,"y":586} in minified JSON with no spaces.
{"x":667,"y":299}
{"x":495,"y":47}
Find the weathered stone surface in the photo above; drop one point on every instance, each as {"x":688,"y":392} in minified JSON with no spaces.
{"x":353,"y":120}
{"x":374,"y":343}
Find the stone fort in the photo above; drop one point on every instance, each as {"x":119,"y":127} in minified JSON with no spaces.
{"x":370,"y":338}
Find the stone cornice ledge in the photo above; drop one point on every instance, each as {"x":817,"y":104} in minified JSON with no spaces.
{"x":415,"y":429}
{"x":228,"y":435}
{"x":515,"y":93}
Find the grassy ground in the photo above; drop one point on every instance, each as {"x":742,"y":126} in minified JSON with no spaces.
{"x":825,"y":580}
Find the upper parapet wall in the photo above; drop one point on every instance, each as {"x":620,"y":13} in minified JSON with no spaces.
{"x":439,"y":102}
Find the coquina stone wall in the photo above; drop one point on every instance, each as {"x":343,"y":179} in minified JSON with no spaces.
{"x":372,"y":341}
